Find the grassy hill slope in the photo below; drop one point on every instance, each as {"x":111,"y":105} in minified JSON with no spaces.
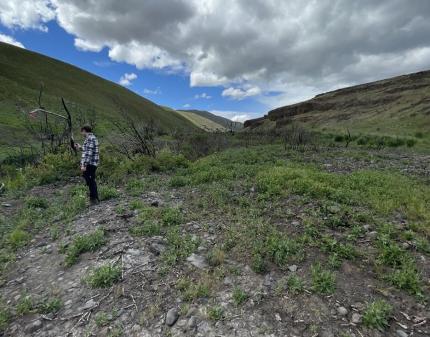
{"x":398,"y":106}
{"x":224,"y":122}
{"x":22,"y":71}
{"x":202,"y":121}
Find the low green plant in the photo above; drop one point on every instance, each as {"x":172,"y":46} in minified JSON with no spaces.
{"x":192,"y":290}
{"x":25,"y":305}
{"x":323,"y":281}
{"x":334,"y":261}
{"x":18,"y":238}
{"x":50,"y":305}
{"x":295,"y":284}
{"x":4,"y":316}
{"x":179,"y":246}
{"x":148,"y":228}
{"x":239,"y":296}
{"x":102,"y":319}
{"x":216,"y":257}
{"x":108,"y":192}
{"x":407,"y":278}
{"x":377,"y":314}
{"x":84,"y":243}
{"x":215,"y":313}
{"x":104,"y":276}
{"x":36,"y":202}
{"x":171,"y":216}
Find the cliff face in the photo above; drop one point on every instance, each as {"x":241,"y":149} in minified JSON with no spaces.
{"x":402,"y":101}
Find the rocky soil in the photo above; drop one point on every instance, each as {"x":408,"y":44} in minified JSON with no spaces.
{"x":148,"y":302}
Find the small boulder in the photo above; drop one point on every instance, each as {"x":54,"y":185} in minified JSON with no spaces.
{"x":33,"y":326}
{"x":197,"y":261}
{"x":401,"y":333}
{"x":172,"y":316}
{"x":342,"y":311}
{"x":356,"y":318}
{"x":293,"y":268}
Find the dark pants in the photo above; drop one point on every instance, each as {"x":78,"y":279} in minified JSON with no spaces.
{"x":90,"y":178}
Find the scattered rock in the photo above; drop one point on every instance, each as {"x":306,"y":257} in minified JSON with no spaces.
{"x":293,"y":268}
{"x":372,"y":234}
{"x":33,"y":326}
{"x":356,"y":318}
{"x":89,"y":304}
{"x":172,"y":316}
{"x":268,"y":280}
{"x":5,"y":204}
{"x":192,"y":323}
{"x":342,"y":311}
{"x":155,"y":203}
{"x":334,"y":209}
{"x":401,"y":333}
{"x":197,"y":261}
{"x":157,"y":248}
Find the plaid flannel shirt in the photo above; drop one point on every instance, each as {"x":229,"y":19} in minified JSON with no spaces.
{"x":90,"y":151}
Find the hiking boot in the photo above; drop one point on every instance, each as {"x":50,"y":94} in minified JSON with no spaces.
{"x":94,"y":202}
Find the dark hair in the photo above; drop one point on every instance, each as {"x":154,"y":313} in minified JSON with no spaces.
{"x":87,"y":128}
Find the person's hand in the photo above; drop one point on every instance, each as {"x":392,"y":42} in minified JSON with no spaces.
{"x":77,"y":146}
{"x":83,"y":168}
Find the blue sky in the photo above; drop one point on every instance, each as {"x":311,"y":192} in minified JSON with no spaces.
{"x":162,"y":87}
{"x":236,"y":58}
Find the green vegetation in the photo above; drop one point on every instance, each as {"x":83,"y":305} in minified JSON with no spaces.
{"x":25,"y":305}
{"x":22,"y":72}
{"x":323,"y":281}
{"x":192,"y":290}
{"x":239,"y":296}
{"x":102,"y":319}
{"x":377,"y":314}
{"x":104,"y":276}
{"x":50,"y":305}
{"x":216,"y":257}
{"x":215,"y":313}
{"x":84,"y":243}
{"x":4,"y":316}
{"x":295,"y":284}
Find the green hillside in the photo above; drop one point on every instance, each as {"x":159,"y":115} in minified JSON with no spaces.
{"x":398,"y":106}
{"x":202,"y":122}
{"x":224,"y":122}
{"x":22,"y":71}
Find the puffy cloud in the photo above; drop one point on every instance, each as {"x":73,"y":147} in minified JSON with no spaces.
{"x":26,"y":13}
{"x":186,"y":106}
{"x":240,"y":94}
{"x":147,"y":91}
{"x":10,"y":40}
{"x":235,"y":116}
{"x":127,"y":78}
{"x":295,"y":47}
{"x":87,"y":46}
{"x":202,"y":96}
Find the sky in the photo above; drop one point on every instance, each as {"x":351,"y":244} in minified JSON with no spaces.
{"x":236,"y":58}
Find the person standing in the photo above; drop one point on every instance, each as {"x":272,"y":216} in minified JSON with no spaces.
{"x":90,"y":161}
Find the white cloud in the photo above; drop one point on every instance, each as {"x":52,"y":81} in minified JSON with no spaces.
{"x":186,"y":106}
{"x":127,"y":79}
{"x":236,"y":116}
{"x":147,"y":91}
{"x":273,"y":45}
{"x":10,"y":40}
{"x":87,"y":46}
{"x":26,"y":14}
{"x":202,"y":96}
{"x":240,"y":94}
